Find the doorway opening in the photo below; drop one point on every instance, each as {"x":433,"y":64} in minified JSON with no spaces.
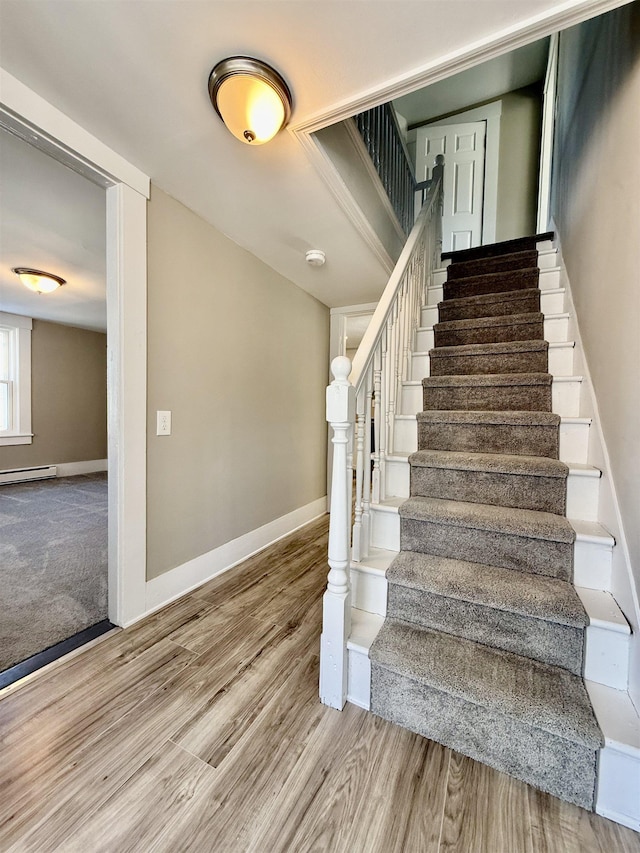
{"x":24,"y":114}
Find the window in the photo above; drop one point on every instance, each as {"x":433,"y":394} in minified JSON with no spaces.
{"x":15,"y":379}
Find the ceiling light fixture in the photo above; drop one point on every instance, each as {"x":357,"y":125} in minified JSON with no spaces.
{"x":37,"y":280}
{"x":250,"y":97}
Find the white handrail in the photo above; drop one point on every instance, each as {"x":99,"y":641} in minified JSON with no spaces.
{"x":362,"y":402}
{"x":376,"y":327}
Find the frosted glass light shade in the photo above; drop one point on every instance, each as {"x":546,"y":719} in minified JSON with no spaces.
{"x":38,"y":281}
{"x":251,"y":98}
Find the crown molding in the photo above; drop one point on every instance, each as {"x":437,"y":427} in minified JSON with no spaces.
{"x":537,"y":27}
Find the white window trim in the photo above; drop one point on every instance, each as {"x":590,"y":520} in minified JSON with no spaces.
{"x":21,"y":431}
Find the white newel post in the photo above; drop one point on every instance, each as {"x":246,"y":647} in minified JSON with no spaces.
{"x":336,"y":608}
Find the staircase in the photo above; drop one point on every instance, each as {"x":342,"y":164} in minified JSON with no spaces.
{"x":482,"y":647}
{"x":470,"y":590}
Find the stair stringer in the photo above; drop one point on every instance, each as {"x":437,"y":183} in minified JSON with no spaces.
{"x":607,"y":636}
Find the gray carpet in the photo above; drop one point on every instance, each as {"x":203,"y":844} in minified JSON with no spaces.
{"x":482,"y":647}
{"x":53,"y":562}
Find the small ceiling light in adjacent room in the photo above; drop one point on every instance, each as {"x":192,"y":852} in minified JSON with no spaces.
{"x":315,"y":257}
{"x":250,"y":97}
{"x":37,"y":280}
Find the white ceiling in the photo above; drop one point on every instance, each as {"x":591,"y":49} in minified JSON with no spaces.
{"x":51,"y":219}
{"x":134,"y":73}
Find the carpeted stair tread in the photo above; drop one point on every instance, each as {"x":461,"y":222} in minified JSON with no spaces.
{"x":495,"y":282}
{"x":499,"y":263}
{"x":531,"y":524}
{"x":507,"y":480}
{"x":499,"y":418}
{"x":529,"y":356}
{"x":490,"y":305}
{"x":488,"y":380}
{"x":493,"y":348}
{"x":522,"y":301}
{"x":523,"y":433}
{"x":536,"y":596}
{"x":486,"y":330}
{"x":489,"y":322}
{"x":537,"y":694}
{"x":505,"y":247}
{"x":489,"y":391}
{"x":499,"y":463}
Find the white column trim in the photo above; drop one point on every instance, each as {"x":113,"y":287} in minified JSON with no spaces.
{"x":127,"y":400}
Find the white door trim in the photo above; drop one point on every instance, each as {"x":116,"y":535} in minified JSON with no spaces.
{"x":546,"y":136}
{"x":29,"y":116}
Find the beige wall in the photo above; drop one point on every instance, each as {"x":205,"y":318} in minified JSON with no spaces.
{"x":69,"y":398}
{"x":342,"y":151}
{"x":519,"y":163}
{"x":239,"y":355}
{"x":596,"y":207}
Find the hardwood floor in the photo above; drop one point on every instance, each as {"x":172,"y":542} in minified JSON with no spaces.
{"x":200,"y":729}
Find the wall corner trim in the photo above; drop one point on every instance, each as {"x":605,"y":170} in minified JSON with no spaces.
{"x":177,"y":582}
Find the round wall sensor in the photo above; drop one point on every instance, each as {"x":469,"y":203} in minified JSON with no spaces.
{"x":315,"y":257}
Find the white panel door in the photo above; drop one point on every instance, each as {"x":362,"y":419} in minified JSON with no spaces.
{"x":463,"y":149}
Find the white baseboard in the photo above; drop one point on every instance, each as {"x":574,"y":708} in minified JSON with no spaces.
{"x":167,"y":587}
{"x":71,"y":469}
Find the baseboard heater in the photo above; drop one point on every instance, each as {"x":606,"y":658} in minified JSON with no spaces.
{"x":22,"y":475}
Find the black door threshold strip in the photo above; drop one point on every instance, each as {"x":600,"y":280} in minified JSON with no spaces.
{"x":35,"y":662}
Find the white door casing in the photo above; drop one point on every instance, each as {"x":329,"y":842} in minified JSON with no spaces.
{"x":24,"y":113}
{"x":463,"y":147}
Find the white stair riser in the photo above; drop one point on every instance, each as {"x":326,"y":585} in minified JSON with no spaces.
{"x":607,"y":657}
{"x":556,"y":328}
{"x":565,"y":397}
{"x":582,"y":491}
{"x":429,"y":315}
{"x":359,"y":678}
{"x":617,"y":797}
{"x":368,"y":591}
{"x":591,"y":560}
{"x":396,"y":479}
{"x":420,"y":366}
{"x":592,"y":565}
{"x":552,"y":301}
{"x":424,"y":340}
{"x":547,"y":259}
{"x":549,"y":278}
{"x":574,"y":442}
{"x":438,"y":277}
{"x":435,"y":294}
{"x":561,"y":360}
{"x":574,"y":439}
{"x":405,"y":435}
{"x":385,"y":529}
{"x":412,"y":399}
{"x":606,"y":650}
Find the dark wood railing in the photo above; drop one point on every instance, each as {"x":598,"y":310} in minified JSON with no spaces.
{"x":379,"y":130}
